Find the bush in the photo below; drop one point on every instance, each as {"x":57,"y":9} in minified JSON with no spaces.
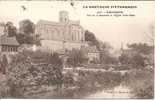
{"x":87,"y":80}
{"x":76,"y":57}
{"x":3,"y":86}
{"x":141,"y":83}
{"x":33,"y":69}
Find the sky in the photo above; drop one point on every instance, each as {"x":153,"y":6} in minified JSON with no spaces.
{"x":115,"y":30}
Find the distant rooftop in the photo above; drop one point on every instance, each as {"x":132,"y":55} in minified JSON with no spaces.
{"x":58,"y":23}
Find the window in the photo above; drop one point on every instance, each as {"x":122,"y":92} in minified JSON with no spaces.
{"x":3,"y":48}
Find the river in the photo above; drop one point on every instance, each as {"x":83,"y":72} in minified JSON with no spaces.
{"x":120,"y":91}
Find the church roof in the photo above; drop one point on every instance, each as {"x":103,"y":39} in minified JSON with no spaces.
{"x":57,"y":23}
{"x":5,"y":40}
{"x":49,"y":22}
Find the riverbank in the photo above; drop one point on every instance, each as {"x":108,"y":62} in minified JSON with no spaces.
{"x":97,"y":84}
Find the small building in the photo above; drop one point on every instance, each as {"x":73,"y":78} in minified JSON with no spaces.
{"x":8,"y":44}
{"x":93,"y":54}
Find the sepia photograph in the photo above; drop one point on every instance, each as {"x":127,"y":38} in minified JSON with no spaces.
{"x":77,"y":49}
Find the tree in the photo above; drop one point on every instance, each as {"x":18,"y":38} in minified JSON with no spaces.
{"x":106,"y":56}
{"x":138,"y":61}
{"x":124,"y":59}
{"x":26,"y":33}
{"x":137,"y":54}
{"x":30,"y":69}
{"x":27,"y":27}
{"x":142,"y":48}
{"x":76,"y":57}
{"x":89,"y":36}
{"x":151,"y":34}
{"x":10,"y":29}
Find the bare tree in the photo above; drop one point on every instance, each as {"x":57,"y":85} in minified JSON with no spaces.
{"x":151,"y":33}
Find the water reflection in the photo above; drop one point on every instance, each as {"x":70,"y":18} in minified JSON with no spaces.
{"x":120,"y":91}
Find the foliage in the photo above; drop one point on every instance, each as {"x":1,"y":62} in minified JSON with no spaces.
{"x":91,"y":82}
{"x":28,"y":39}
{"x":103,"y":47}
{"x":137,"y":55}
{"x":26,"y":33}
{"x":33,"y":69}
{"x":138,"y":61}
{"x":10,"y":29}
{"x":3,"y":86}
{"x":89,"y":36}
{"x":143,"y":48}
{"x":106,"y":56}
{"x":88,"y":82}
{"x":124,"y":59}
{"x":4,"y":64}
{"x":76,"y":57}
{"x":141,"y":82}
{"x":27,"y":26}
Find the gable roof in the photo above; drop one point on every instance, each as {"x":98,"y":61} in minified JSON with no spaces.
{"x":49,"y":22}
{"x":58,"y":23}
{"x":5,"y":40}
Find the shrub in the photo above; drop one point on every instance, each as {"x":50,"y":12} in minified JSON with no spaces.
{"x":76,"y":57}
{"x":33,"y":69}
{"x":3,"y":86}
{"x":141,"y":83}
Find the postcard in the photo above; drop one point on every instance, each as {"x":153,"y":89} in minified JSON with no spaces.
{"x":77,"y":49}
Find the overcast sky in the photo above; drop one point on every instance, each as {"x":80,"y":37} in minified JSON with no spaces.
{"x":111,"y":29}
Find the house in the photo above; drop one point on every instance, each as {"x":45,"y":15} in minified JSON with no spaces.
{"x":92,"y":53}
{"x":8,"y":44}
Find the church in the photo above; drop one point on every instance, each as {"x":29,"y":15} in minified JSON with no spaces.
{"x":63,"y":35}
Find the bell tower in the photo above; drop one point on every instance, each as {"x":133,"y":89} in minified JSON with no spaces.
{"x":63,"y":17}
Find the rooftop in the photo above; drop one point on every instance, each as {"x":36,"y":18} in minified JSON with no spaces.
{"x":5,"y":40}
{"x":57,"y":23}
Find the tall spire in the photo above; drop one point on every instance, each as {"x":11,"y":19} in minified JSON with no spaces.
{"x":122,"y":47}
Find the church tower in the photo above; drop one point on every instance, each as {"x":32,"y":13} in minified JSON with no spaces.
{"x":63,"y":17}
